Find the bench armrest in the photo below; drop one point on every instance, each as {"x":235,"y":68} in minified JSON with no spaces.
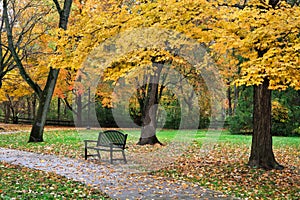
{"x":90,"y":141}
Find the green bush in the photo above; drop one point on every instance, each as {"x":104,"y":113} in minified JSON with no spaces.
{"x":285,"y":113}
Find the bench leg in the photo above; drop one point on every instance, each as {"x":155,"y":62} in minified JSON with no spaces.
{"x":85,"y":153}
{"x":111,"y":155}
{"x":98,"y":154}
{"x":124,"y":156}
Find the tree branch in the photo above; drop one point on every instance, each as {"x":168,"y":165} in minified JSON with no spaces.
{"x":16,"y":57}
{"x":59,"y":10}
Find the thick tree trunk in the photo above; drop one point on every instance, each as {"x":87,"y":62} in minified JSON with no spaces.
{"x":36,"y":134}
{"x":149,"y":110}
{"x":148,"y":132}
{"x":262,"y":155}
{"x":45,"y":96}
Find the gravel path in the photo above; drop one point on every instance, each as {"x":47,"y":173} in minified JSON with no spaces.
{"x":114,"y":180}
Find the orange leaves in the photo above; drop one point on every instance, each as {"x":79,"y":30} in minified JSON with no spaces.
{"x":225,"y":169}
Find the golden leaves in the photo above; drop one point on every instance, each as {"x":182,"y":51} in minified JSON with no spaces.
{"x":264,"y":41}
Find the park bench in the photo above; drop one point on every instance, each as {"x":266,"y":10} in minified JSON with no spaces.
{"x":110,"y":141}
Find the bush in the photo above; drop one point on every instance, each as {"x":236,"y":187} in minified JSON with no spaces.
{"x":285,"y":113}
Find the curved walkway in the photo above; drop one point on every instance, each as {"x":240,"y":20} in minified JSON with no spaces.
{"x":114,"y":180}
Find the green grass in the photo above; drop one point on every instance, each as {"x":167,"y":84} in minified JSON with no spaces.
{"x":70,"y":142}
{"x":24,"y":183}
{"x":226,"y":171}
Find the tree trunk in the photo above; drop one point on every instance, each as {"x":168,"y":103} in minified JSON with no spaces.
{"x":148,"y":132}
{"x":58,"y":108}
{"x":36,"y":134}
{"x":33,"y":106}
{"x":262,"y":155}
{"x":29,"y":109}
{"x":229,"y":100}
{"x":7,"y":112}
{"x":149,"y":110}
{"x":79,"y":110}
{"x":236,"y":98}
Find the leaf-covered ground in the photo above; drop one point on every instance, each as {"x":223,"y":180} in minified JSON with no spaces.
{"x":224,"y":169}
{"x":24,"y":183}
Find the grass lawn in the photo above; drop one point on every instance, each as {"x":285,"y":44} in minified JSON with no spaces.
{"x":24,"y":183}
{"x":224,"y":168}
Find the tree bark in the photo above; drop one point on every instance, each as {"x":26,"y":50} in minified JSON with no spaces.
{"x":262,"y":155}
{"x":36,"y":134}
{"x":149,"y":110}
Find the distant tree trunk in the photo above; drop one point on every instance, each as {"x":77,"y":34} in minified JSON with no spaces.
{"x":33,"y":106}
{"x":236,"y":98}
{"x":7,"y":112}
{"x":58,"y":108}
{"x":229,"y":100}
{"x":262,"y":155}
{"x":149,"y":110}
{"x":79,"y":110}
{"x":29,"y":109}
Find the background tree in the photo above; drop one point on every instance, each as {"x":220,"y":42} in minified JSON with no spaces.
{"x":13,"y":94}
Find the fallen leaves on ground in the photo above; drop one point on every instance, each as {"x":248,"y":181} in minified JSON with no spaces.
{"x":24,"y":183}
{"x":225,"y":169}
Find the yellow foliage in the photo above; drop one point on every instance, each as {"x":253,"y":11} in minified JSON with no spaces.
{"x":279,"y":112}
{"x":248,"y":44}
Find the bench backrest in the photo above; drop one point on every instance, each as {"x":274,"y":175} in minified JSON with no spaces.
{"x":112,"y":137}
